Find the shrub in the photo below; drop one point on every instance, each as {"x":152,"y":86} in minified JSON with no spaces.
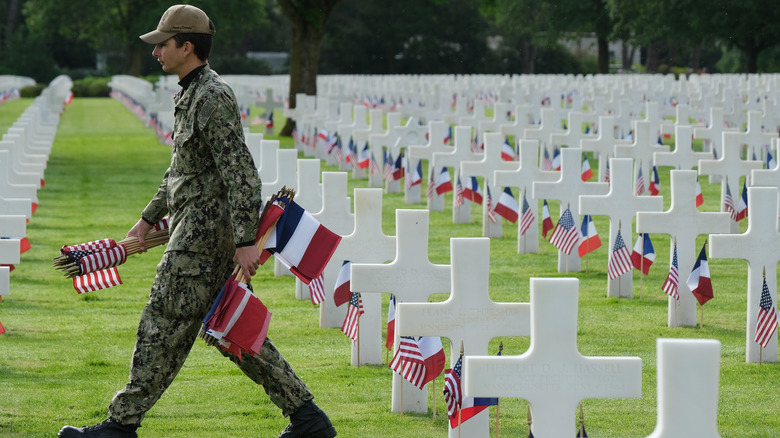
{"x":91,"y":86}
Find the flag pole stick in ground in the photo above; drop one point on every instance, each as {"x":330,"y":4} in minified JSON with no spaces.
{"x":642,"y":267}
{"x":582,"y":423}
{"x":358,"y":336}
{"x":402,"y":385}
{"x":529,"y":421}
{"x":498,"y":400}
{"x":433,"y":389}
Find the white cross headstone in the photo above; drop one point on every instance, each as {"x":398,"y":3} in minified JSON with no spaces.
{"x":642,"y":149}
{"x":688,"y":379}
{"x":378,"y":142}
{"x":621,"y":204}
{"x":460,"y":152}
{"x":552,"y":375}
{"x":412,"y":278}
{"x":573,"y":135}
{"x":411,"y":133}
{"x":468,"y":316}
{"x":713,"y":136}
{"x":523,"y":178}
{"x":549,"y":125}
{"x":567,"y":189}
{"x":268,"y":151}
{"x":759,"y":246}
{"x":358,"y":122}
{"x":731,"y":167}
{"x":361,"y":136}
{"x":309,"y":190}
{"x":491,"y":161}
{"x":425,"y":151}
{"x":754,"y":136}
{"x":683,"y":157}
{"x":331,"y":128}
{"x":684,"y":222}
{"x":768,"y":177}
{"x":604,"y":144}
{"x":366,"y":244}
{"x":336,"y":215}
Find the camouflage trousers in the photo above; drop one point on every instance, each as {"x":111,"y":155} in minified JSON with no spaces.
{"x":184,"y":289}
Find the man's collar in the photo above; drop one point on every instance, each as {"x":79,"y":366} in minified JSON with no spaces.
{"x":187,"y":80}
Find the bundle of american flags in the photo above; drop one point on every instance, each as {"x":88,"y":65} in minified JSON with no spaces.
{"x":92,"y":265}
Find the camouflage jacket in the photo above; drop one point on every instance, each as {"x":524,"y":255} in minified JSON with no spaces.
{"x":212,"y":188}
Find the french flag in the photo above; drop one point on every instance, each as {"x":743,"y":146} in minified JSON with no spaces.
{"x":301,"y":243}
{"x":643,"y":255}
{"x":699,"y":195}
{"x":507,"y":206}
{"x":699,"y":281}
{"x":507,"y":151}
{"x":655,"y":183}
{"x":472,"y":192}
{"x":398,"y":167}
{"x":390,"y":324}
{"x":364,"y":157}
{"x":415,"y":175}
{"x":443,"y":182}
{"x":433,"y":356}
{"x":742,"y":208}
{"x":556,"y":161}
{"x":587,"y":173}
{"x":589,"y":237}
{"x":547,"y":223}
{"x":342,"y":292}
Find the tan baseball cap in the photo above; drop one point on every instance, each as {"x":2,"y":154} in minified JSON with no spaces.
{"x":179,"y":19}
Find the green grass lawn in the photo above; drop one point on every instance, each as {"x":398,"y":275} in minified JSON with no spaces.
{"x":64,"y":355}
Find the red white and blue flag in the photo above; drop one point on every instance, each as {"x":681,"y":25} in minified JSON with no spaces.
{"x":459,"y":198}
{"x":589,"y":237}
{"x":556,"y":160}
{"x":770,"y":160}
{"x":269,"y":123}
{"x":398,"y":167}
{"x":643,"y":255}
{"x":546,"y":161}
{"x":443,"y":182}
{"x":587,"y":173}
{"x":607,"y":175}
{"x":317,"y":289}
{"x":373,"y":168}
{"x":565,"y":235}
{"x":639,"y":185}
{"x":507,"y":206}
{"x":388,"y":165}
{"x":699,"y":195}
{"x":419,"y":360}
{"x":620,"y":259}
{"x":448,"y":134}
{"x":390,"y":337}
{"x":671,"y":284}
{"x":414,"y":176}
{"x":472,"y":192}
{"x":655,"y":183}
{"x":364,"y":157}
{"x":547,"y":223}
{"x":490,"y":210}
{"x":526,"y":216}
{"x":742,"y":208}
{"x":461,"y":408}
{"x":728,"y":202}
{"x":699,"y":281}
{"x":507,"y":151}
{"x":767,"y":318}
{"x":341,"y":291}
{"x":351,"y":324}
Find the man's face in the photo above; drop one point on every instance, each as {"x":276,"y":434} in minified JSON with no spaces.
{"x":170,"y":57}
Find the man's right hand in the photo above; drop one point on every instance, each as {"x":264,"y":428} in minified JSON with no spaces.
{"x":139,"y":231}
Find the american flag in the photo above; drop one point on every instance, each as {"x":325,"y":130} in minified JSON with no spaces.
{"x":490,"y":212}
{"x":527,"y":216}
{"x":565,"y":234}
{"x":317,"y":289}
{"x":408,"y":361}
{"x":100,"y":260}
{"x":620,"y":259}
{"x":373,"y":166}
{"x":388,"y":158}
{"x":337,"y":150}
{"x":767,"y":317}
{"x":673,"y":279}
{"x":639,"y":186}
{"x":351,"y":321}
{"x":546,"y":160}
{"x":431,"y":185}
{"x":606,"y":173}
{"x":452,"y":395}
{"x":97,"y":280}
{"x":475,"y":143}
{"x":352,"y":153}
{"x":728,"y":202}
{"x":458,"y":195}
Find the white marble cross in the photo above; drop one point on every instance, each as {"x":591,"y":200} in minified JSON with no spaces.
{"x":621,"y":204}
{"x":358,"y":122}
{"x":642,"y":149}
{"x":412,"y":278}
{"x":567,"y":189}
{"x":548,"y":126}
{"x":267,"y":154}
{"x":684,"y":222}
{"x":573,"y":135}
{"x":491,"y":161}
{"x":768,"y":177}
{"x":425,"y":151}
{"x":468,"y":316}
{"x":523,"y":178}
{"x":688,"y":378}
{"x":731,"y":167}
{"x":683,"y":157}
{"x":361,"y":136}
{"x":604,"y":144}
{"x":517,"y":127}
{"x":759,"y":246}
{"x":459,"y":153}
{"x":366,"y":244}
{"x":343,"y":117}
{"x":336,"y":215}
{"x":553,"y":375}
{"x":754,"y":137}
{"x":378,"y":142}
{"x":713,"y":135}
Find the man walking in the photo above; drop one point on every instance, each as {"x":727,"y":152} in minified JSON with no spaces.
{"x":212,"y":193}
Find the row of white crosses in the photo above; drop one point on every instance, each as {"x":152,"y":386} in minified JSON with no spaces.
{"x":24,"y":152}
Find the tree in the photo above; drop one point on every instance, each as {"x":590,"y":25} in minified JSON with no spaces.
{"x":308,"y":19}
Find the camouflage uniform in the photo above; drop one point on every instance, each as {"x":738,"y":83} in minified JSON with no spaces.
{"x":212,"y":192}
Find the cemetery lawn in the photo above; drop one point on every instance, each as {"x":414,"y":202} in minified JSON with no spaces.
{"x":64,"y":355}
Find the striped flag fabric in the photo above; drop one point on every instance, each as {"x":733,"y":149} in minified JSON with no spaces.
{"x":414,"y":176}
{"x":317,"y":289}
{"x":419,"y":360}
{"x":655,"y":183}
{"x":767,"y":318}
{"x":352,"y":156}
{"x":639,"y":185}
{"x":728,"y":202}
{"x":699,"y":281}
{"x":589,"y":237}
{"x":388,"y":165}
{"x":475,"y":148}
{"x":565,"y":235}
{"x":364,"y":157}
{"x":398,"y":167}
{"x":672,"y":279}
{"x":699,"y":195}
{"x":526,"y":216}
{"x":742,"y":208}
{"x":587,"y":172}
{"x":237,"y":321}
{"x":341,"y":291}
{"x":452,"y":392}
{"x":643,"y":255}
{"x":506,"y":206}
{"x":771,"y":163}
{"x":607,"y":173}
{"x":472,"y":192}
{"x":338,"y":149}
{"x":97,"y":280}
{"x":490,"y":210}
{"x":431,"y":186}
{"x":546,"y":161}
{"x":556,"y":160}
{"x":352,"y":319}
{"x":443,"y":182}
{"x":507,"y":151}
{"x":620,"y":259}
{"x":373,"y":166}
{"x":459,"y":198}
{"x":390,"y":337}
{"x":547,"y":224}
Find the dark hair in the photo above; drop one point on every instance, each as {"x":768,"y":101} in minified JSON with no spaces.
{"x":201,"y":41}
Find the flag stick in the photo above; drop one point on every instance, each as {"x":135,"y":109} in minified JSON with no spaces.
{"x":498,"y":416}
{"x":433,"y":390}
{"x":402,"y":385}
{"x":675,"y":312}
{"x":582,"y":423}
{"x":529,"y":421}
{"x":760,"y":353}
{"x":641,"y":267}
{"x":701,"y":316}
{"x":358,"y":335}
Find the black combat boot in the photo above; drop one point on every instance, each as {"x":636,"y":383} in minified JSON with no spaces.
{"x":106,"y":429}
{"x":309,"y":421}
